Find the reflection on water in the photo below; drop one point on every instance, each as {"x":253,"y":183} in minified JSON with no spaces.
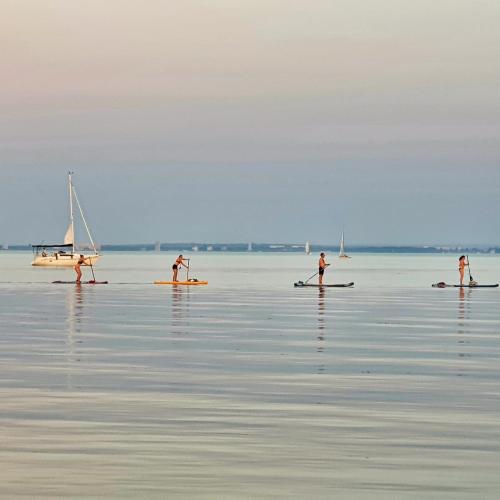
{"x":74,"y":318}
{"x":463,"y":310}
{"x":321,"y":311}
{"x":234,"y":399}
{"x":321,"y":326}
{"x":180,"y":308}
{"x":463,"y":322}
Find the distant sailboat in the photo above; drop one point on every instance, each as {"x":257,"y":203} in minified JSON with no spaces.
{"x":342,"y":254}
{"x":307,"y":248}
{"x":65,"y":254}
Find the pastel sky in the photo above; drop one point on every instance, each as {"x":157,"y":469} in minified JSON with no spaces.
{"x":271,"y":120}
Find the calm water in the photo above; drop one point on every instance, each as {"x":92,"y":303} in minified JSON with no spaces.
{"x":249,"y":388}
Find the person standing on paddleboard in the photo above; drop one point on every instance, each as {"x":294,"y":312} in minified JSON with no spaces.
{"x":322,"y":266}
{"x":82,"y":261}
{"x":461,"y":268}
{"x":175,"y":268}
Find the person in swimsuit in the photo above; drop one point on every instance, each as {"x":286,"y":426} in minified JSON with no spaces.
{"x":175,"y":268}
{"x":322,"y":266}
{"x":82,"y":261}
{"x":461,"y":268}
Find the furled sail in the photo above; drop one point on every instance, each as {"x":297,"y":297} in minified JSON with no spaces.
{"x":69,"y":237}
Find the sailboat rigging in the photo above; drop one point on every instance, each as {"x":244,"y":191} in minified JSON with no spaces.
{"x":65,"y":254}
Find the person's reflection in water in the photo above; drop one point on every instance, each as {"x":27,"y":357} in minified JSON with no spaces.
{"x":74,"y":303}
{"x":461,"y":306}
{"x":463,"y":327}
{"x":180,"y":308}
{"x":321,"y":312}
{"x":321,"y":326}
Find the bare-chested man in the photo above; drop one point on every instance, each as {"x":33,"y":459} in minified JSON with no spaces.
{"x":322,"y":265}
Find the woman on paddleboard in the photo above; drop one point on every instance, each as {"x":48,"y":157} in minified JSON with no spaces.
{"x":322,"y":266}
{"x":461,"y":268}
{"x":177,"y":264}
{"x":82,"y":261}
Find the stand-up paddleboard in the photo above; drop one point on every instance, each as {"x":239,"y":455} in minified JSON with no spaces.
{"x":442,"y":284}
{"x":189,"y":282}
{"x":317,"y":285}
{"x":92,"y":282}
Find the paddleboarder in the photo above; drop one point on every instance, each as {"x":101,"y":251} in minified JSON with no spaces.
{"x":177,"y":264}
{"x":82,"y":261}
{"x":461,"y":268}
{"x":322,"y":265}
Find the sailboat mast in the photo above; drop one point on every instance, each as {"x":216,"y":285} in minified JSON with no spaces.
{"x":341,"y":252}
{"x":70,"y":187}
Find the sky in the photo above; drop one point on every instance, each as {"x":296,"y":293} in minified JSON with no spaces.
{"x":265,"y":121}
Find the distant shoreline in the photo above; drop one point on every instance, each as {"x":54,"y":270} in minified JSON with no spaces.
{"x":277,"y":248}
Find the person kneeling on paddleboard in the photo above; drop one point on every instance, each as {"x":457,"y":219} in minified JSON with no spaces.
{"x":322,"y":266}
{"x":175,"y":268}
{"x":82,"y":261}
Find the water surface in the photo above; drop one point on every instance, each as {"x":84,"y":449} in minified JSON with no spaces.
{"x":249,"y":388}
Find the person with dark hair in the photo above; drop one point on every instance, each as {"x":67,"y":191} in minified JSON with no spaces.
{"x":322,"y":266}
{"x":177,"y":264}
{"x":461,"y":268}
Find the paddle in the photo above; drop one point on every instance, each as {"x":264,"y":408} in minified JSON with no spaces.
{"x":471,"y":279}
{"x":311,"y":277}
{"x":92,"y":268}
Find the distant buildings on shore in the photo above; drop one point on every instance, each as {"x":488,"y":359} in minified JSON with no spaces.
{"x":276,"y":247}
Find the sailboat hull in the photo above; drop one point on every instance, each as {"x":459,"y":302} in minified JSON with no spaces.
{"x":61,"y":260}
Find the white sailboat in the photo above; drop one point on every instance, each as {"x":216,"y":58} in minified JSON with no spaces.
{"x":342,"y":254}
{"x":65,"y":254}
{"x":307,"y":248}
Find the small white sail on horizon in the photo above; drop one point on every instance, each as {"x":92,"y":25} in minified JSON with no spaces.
{"x":342,"y":254}
{"x":307,"y":248}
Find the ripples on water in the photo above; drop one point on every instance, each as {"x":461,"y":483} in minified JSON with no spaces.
{"x":248,"y":388}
